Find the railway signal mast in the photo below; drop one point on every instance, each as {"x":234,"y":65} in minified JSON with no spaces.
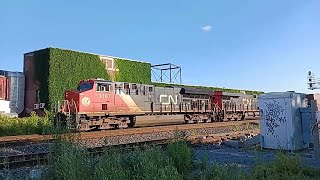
{"x":313,"y":83}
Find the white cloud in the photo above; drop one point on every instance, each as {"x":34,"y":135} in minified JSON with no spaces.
{"x":206,"y":28}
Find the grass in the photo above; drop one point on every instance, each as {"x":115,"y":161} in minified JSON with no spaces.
{"x":181,"y":156}
{"x":70,"y":161}
{"x":174,"y":162}
{"x":285,"y":166}
{"x":28,"y":125}
{"x":12,"y":126}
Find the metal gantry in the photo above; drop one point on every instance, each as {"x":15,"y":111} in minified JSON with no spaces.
{"x":160,"y":73}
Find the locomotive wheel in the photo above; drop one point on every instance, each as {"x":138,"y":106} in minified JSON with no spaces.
{"x":132,"y":121}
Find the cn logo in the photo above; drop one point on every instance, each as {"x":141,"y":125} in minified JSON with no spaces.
{"x":247,"y":102}
{"x":168,"y":99}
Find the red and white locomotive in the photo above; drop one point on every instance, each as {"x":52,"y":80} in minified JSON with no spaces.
{"x":102,"y":104}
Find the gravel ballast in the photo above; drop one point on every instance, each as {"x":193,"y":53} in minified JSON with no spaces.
{"x":126,"y":139}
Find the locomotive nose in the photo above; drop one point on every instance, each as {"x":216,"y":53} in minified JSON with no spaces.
{"x":71,"y":99}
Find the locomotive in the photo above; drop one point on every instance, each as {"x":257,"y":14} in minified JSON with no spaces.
{"x":102,"y":104}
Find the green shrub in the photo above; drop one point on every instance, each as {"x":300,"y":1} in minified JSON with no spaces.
{"x":215,"y":171}
{"x":284,"y":167}
{"x":152,"y":164}
{"x":27,"y":125}
{"x":111,"y":166}
{"x":69,"y":161}
{"x":181,"y":156}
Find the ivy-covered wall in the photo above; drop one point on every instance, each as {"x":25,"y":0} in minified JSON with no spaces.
{"x":58,"y":70}
{"x":41,"y":73}
{"x":133,"y":71}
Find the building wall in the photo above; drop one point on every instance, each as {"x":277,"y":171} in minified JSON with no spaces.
{"x":3,"y":88}
{"x":12,"y":85}
{"x":31,"y":86}
{"x":4,"y":107}
{"x":317,"y":98}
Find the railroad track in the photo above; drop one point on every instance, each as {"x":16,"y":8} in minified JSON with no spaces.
{"x":41,"y":158}
{"x":28,"y":160}
{"x":31,"y":159}
{"x":11,"y":141}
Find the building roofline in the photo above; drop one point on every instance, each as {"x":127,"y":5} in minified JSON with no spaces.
{"x":101,"y":55}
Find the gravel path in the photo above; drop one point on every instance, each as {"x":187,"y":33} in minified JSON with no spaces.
{"x":26,"y":149}
{"x":245,"y":158}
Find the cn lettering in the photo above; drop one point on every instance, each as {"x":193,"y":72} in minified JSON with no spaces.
{"x":168,"y":99}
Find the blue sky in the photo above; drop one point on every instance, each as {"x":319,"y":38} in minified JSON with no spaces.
{"x":261,"y":45}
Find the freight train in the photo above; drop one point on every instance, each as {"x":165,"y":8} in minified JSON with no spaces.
{"x":103,"y":104}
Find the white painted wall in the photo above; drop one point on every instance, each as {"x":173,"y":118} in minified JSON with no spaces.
{"x":4,"y":107}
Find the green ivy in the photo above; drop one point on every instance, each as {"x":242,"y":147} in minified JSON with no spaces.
{"x":41,"y":74}
{"x":133,"y":71}
{"x":58,"y":70}
{"x":67,"y":68}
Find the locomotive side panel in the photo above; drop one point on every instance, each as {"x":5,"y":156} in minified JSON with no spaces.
{"x":239,"y":106}
{"x":167,"y":99}
{"x":141,"y":96}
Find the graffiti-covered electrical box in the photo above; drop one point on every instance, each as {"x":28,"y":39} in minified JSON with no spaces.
{"x":281,"y":121}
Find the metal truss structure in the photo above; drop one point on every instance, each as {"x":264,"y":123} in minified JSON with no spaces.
{"x":166,"y":73}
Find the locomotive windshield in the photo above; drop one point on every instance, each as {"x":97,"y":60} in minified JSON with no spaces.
{"x":85,"y":86}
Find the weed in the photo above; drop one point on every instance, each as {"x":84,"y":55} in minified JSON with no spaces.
{"x":28,"y":125}
{"x":110,"y":166}
{"x":181,"y":155}
{"x":284,"y":166}
{"x":69,"y":161}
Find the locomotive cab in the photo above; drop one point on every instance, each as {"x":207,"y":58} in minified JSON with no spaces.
{"x":72,"y":97}
{"x":94,"y":104}
{"x":92,"y":97}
